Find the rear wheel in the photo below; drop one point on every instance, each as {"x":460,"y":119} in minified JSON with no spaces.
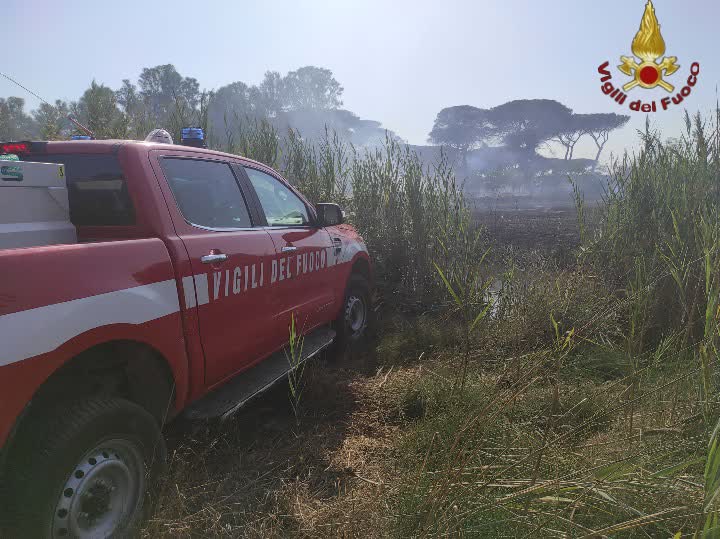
{"x":355,"y":315}
{"x":84,"y":470}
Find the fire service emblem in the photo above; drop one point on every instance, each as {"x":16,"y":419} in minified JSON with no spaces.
{"x":650,"y":70}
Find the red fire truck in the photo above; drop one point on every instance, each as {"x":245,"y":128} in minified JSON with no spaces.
{"x":140,"y":281}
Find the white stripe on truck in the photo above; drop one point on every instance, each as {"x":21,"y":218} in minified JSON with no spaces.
{"x":193,"y":285}
{"x":201,"y":287}
{"x":189,"y":290}
{"x":37,"y":331}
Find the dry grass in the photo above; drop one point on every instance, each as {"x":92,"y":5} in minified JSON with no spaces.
{"x":372,"y":455}
{"x":261,"y":476}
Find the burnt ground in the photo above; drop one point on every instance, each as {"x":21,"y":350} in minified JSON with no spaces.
{"x":551,"y":228}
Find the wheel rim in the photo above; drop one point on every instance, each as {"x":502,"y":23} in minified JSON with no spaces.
{"x":103,"y":492}
{"x":356,"y":315}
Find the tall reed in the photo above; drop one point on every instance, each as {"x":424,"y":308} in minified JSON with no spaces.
{"x":408,"y":212}
{"x":660,"y":231}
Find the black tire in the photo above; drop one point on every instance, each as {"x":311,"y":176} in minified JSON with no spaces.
{"x":349,"y":329}
{"x":85,"y":470}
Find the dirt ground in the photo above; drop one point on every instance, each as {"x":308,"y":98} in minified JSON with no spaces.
{"x":265,"y":474}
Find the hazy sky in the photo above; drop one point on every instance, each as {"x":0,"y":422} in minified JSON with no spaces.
{"x":399,"y":61}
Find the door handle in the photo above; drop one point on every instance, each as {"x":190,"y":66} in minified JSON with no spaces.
{"x":214,"y":258}
{"x":288,"y":249}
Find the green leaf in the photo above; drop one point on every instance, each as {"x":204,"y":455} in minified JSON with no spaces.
{"x":671,"y":470}
{"x":448,"y":285}
{"x":481,"y":315}
{"x":613,"y":471}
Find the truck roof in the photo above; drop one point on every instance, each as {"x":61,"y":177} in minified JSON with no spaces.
{"x":112,"y":145}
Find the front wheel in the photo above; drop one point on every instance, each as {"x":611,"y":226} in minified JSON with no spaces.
{"x":85,"y":469}
{"x":355,"y":315}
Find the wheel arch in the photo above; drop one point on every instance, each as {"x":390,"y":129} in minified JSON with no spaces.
{"x":128,"y":368}
{"x":131,"y":369}
{"x":361,"y":266}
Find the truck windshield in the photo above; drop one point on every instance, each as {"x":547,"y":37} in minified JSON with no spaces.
{"x":97,"y":190}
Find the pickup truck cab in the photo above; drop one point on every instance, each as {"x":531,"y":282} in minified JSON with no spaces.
{"x":177,"y":297}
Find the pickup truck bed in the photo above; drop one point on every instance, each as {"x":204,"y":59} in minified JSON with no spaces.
{"x":34,"y":206}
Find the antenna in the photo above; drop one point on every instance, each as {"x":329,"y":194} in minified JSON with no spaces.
{"x":80,"y":126}
{"x":70,"y":117}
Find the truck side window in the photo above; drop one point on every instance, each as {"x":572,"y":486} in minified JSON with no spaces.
{"x":97,"y":190}
{"x":207,"y":193}
{"x":282,"y":207}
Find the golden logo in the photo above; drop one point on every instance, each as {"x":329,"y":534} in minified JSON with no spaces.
{"x":648,"y":45}
{"x":650,"y":70}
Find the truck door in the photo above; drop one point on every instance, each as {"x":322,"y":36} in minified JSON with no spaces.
{"x":229,"y":261}
{"x":300,"y":274}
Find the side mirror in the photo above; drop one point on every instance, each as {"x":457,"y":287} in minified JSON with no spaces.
{"x":329,"y":214}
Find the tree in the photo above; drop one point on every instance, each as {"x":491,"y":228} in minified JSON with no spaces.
{"x":97,"y":109}
{"x":501,"y":143}
{"x":160,"y":89}
{"x":139,"y":121}
{"x":232,"y":104}
{"x":519,"y":126}
{"x":312,"y":123}
{"x":461,"y":127}
{"x":52,"y":120}
{"x":15,"y":124}
{"x":272,"y":93}
{"x":311,"y":87}
{"x":307,"y":99}
{"x":128,"y":97}
{"x":526,"y":123}
{"x":599,"y":126}
{"x":570,"y":133}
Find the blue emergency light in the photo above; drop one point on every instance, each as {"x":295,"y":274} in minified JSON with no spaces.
{"x":80,"y":137}
{"x":192,"y":136}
